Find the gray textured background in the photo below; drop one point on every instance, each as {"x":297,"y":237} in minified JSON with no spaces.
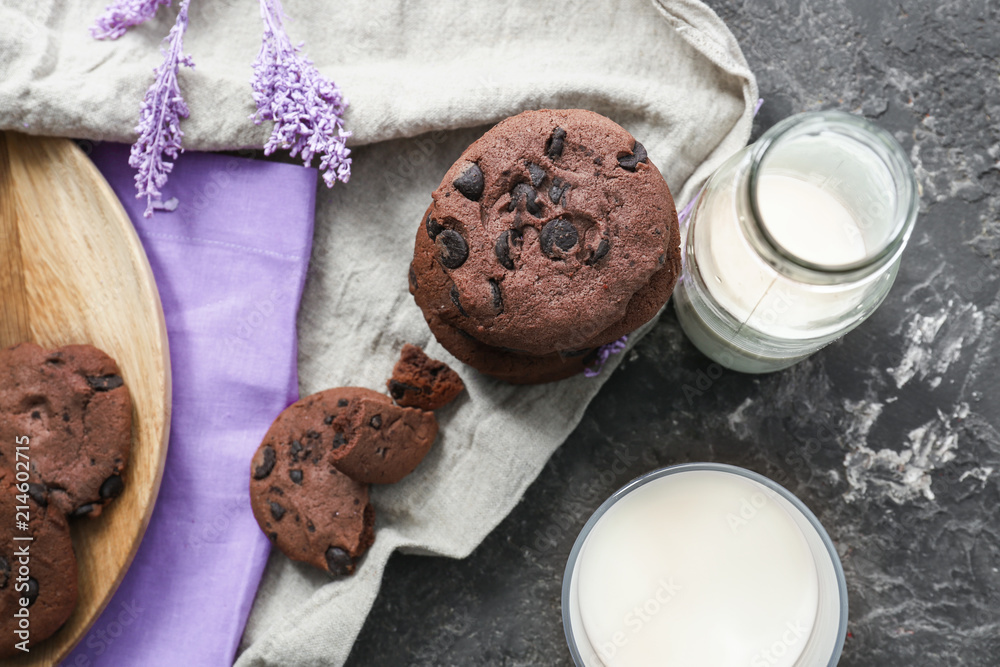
{"x":890,"y":436}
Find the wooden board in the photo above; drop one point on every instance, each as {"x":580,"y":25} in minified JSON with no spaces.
{"x":72,"y":270}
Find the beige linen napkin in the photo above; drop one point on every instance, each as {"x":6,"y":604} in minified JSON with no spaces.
{"x":424,"y":79}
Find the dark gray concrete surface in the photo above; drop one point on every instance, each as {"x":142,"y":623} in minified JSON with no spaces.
{"x":890,"y":435}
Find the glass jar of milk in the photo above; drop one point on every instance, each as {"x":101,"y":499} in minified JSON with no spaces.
{"x":795,"y":240}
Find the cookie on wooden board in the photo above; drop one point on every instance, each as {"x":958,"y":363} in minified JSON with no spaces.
{"x":40,"y":572}
{"x":74,"y":406}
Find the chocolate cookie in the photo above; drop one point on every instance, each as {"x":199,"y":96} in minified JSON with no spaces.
{"x":310,"y":510}
{"x":509,"y":365}
{"x":42,"y":571}
{"x":421,"y":382}
{"x":74,"y":406}
{"x":543,"y":233}
{"x":382,"y":442}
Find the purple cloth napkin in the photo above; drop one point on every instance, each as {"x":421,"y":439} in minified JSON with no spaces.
{"x":230,"y":263}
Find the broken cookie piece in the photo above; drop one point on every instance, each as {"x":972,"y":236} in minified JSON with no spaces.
{"x":382,"y":443}
{"x":421,"y":382}
{"x":310,"y":510}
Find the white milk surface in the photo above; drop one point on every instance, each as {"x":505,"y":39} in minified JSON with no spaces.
{"x":697,"y":569}
{"x":809,"y":222}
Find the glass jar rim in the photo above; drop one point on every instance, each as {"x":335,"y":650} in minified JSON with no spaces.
{"x":654,"y":475}
{"x":859,"y":129}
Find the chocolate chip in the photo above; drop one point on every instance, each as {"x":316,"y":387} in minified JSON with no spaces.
{"x":267,"y":465}
{"x":37,"y":492}
{"x":112,"y":487}
{"x":328,"y":420}
{"x":502,"y":250}
{"x":470,"y":183}
{"x":342,"y":403}
{"x":339,"y":562}
{"x":296,"y":476}
{"x":398,"y":389}
{"x":36,"y":415}
{"x":296,"y":448}
{"x":339,"y":440}
{"x":531,"y":203}
{"x":375,"y":422}
{"x":32,"y":593}
{"x":602,"y":250}
{"x":559,"y":233}
{"x":310,"y":526}
{"x":433,"y":227}
{"x":554,"y":146}
{"x":525,"y":192}
{"x":537,"y":174}
{"x":453,"y":249}
{"x":312,"y":435}
{"x":105,"y":382}
{"x":272,"y":536}
{"x":638,"y":155}
{"x":413,"y":277}
{"x":558,"y":191}
{"x":277,"y":511}
{"x":83,"y":510}
{"x":520,"y":190}
{"x":455,"y":300}
{"x":497,"y":296}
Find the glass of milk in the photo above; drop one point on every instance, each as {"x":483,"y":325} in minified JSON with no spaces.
{"x":795,"y":240}
{"x":704,"y":564}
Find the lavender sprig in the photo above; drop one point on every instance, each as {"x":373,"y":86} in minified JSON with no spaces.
{"x":159,"y":119}
{"x":603,"y":353}
{"x":307,"y":109}
{"x":122,"y":15}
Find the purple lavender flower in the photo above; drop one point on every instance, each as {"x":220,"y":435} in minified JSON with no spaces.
{"x":306,"y":108}
{"x":159,"y":119}
{"x":603,"y":353}
{"x":122,"y":15}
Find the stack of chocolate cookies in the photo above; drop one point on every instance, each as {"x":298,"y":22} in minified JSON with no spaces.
{"x":65,"y":439}
{"x":552,"y":235}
